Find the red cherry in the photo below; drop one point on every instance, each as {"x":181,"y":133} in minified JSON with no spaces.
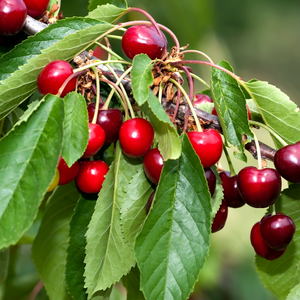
{"x":208,"y":146}
{"x":149,"y":202}
{"x":220,"y":217}
{"x":144,"y":39}
{"x":100,"y":53}
{"x":260,"y":246}
{"x":36,"y":8}
{"x":53,"y":76}
{"x":67,"y":174}
{"x":201,"y":98}
{"x":91,"y":176}
{"x":211,"y":180}
{"x":96,"y":140}
{"x":230,"y":190}
{"x":136,"y":137}
{"x":287,"y":162}
{"x":12,"y":16}
{"x":259,"y":187}
{"x":214,"y":112}
{"x":110,"y":120}
{"x":277,"y":230}
{"x":153,"y":163}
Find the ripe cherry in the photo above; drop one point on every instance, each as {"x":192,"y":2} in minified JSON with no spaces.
{"x":67,"y":174}
{"x":201,"y":98}
{"x":110,"y":120}
{"x":277,"y":230}
{"x":136,"y":137}
{"x":144,"y":39}
{"x":287,"y":162}
{"x":214,"y":112}
{"x":211,"y":180}
{"x":12,"y":16}
{"x":153,"y":163}
{"x":220,"y":217}
{"x":53,"y":76}
{"x":208,"y":146}
{"x":100,"y":53}
{"x":260,"y":246}
{"x":91,"y":176}
{"x":259,"y":187}
{"x":149,"y":202}
{"x":36,"y":8}
{"x":230,"y":190}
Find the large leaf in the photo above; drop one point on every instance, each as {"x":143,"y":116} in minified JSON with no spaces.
{"x":119,"y":3}
{"x":276,"y":109}
{"x":49,"y":250}
{"x":29,"y":156}
{"x":76,"y":128}
{"x":230,"y":104}
{"x":4,"y":260}
{"x":108,"y":12}
{"x":282,"y":274}
{"x":11,"y":120}
{"x":295,"y":293}
{"x":174,"y":242}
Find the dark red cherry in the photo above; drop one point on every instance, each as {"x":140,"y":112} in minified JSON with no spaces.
{"x":260,"y":246}
{"x":53,"y":76}
{"x":208,"y":146}
{"x":91,"y":176}
{"x":214,"y":112}
{"x":211,"y":180}
{"x":259,"y":187}
{"x":136,"y":137}
{"x":36,"y":8}
{"x":230,"y":190}
{"x":287,"y":162}
{"x":153,"y":163}
{"x":277,"y":230}
{"x":149,"y":202}
{"x":220,"y":217}
{"x":96,"y":140}
{"x":110,"y":120}
{"x":13,"y":14}
{"x":201,"y":98}
{"x":144,"y":39}
{"x":67,"y":174}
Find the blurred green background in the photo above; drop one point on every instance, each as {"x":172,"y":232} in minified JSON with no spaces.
{"x":260,"y":39}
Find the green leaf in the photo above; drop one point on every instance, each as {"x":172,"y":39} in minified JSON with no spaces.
{"x":218,"y":194}
{"x":174,"y":242}
{"x":108,"y":13}
{"x":20,"y":68}
{"x":76,"y":249}
{"x":295,"y":293}
{"x":230,"y":105}
{"x":132,"y":284}
{"x":10,"y":120}
{"x":141,"y":78}
{"x":165,"y":133}
{"x":255,"y":113}
{"x":29,"y":156}
{"x":276,"y":109}
{"x":282,"y":274}
{"x":49,"y":250}
{"x":118,"y":3}
{"x":4,"y":261}
{"x":76,"y":128}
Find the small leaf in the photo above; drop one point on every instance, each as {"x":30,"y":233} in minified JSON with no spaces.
{"x":281,"y":275}
{"x":107,"y":3}
{"x":174,"y":242}
{"x":76,"y":128}
{"x":49,"y":250}
{"x":132,"y":284}
{"x":29,"y":156}
{"x":4,"y":261}
{"x":295,"y":293}
{"x":141,"y":77}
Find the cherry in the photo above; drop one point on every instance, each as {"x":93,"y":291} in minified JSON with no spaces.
{"x":220,"y":217}
{"x":208,"y":146}
{"x":144,"y":39}
{"x":230,"y":190}
{"x":12,"y":16}
{"x":287,"y":162}
{"x":260,"y":246}
{"x":149,"y":202}
{"x":67,"y":174}
{"x":110,"y":120}
{"x":91,"y":176}
{"x":211,"y":180}
{"x":54,"y":182}
{"x":53,"y":76}
{"x":153,"y":163}
{"x":214,"y":112}
{"x":36,"y":8}
{"x":201,"y":98}
{"x":100,"y":53}
{"x":136,"y":137}
{"x":259,"y":187}
{"x":96,"y":140}
{"x":277,"y":230}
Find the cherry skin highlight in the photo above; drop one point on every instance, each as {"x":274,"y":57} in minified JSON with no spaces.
{"x":13,"y":14}
{"x":220,"y":217}
{"x":153,"y":163}
{"x":136,"y":137}
{"x":36,"y":8}
{"x":67,"y":174}
{"x":53,"y":76}
{"x":144,"y":39}
{"x":211,"y":180}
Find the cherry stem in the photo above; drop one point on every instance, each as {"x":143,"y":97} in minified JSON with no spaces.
{"x":229,"y":161}
{"x":198,"y":52}
{"x":259,"y":161}
{"x":271,"y":131}
{"x":108,"y":49}
{"x":68,"y":80}
{"x":189,"y":103}
{"x":116,"y":37}
{"x":94,"y":121}
{"x":36,"y":290}
{"x":200,"y":80}
{"x":177,"y":105}
{"x":160,"y":92}
{"x":273,"y":209}
{"x":97,"y":62}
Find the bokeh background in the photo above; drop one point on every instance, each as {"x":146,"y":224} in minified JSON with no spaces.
{"x":260,"y":39}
